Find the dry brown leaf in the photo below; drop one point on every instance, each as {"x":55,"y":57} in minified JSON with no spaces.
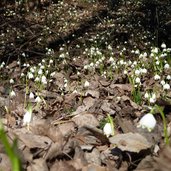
{"x":93,"y":93}
{"x":85,"y":119}
{"x":163,"y":162}
{"x":132,"y":142}
{"x":5,"y":163}
{"x":126,"y":125}
{"x":93,"y":157}
{"x":94,"y":167}
{"x":70,"y":99}
{"x":33,"y":141}
{"x":59,"y":79}
{"x":43,"y":127}
{"x":39,"y":164}
{"x":80,"y":109}
{"x":147,"y":164}
{"x":54,"y":150}
{"x":133,"y":104}
{"x":88,"y":102}
{"x":125,"y":87}
{"x":67,"y":128}
{"x":62,"y":166}
{"x":106,"y":107}
{"x":104,"y":82}
{"x":92,"y":135}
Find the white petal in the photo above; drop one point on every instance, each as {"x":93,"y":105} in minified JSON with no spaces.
{"x":147,"y":121}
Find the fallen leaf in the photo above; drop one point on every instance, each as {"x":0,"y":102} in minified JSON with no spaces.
{"x":85,"y":119}
{"x":39,"y":164}
{"x":93,"y":157}
{"x":88,"y":102}
{"x":62,"y":166}
{"x":5,"y":163}
{"x":67,"y":128}
{"x":33,"y":141}
{"x":93,"y":93}
{"x":106,"y":108}
{"x":132,"y":142}
{"x":125,"y":87}
{"x":94,"y":167}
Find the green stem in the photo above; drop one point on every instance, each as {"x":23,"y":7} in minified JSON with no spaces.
{"x":166,"y":138}
{"x":9,"y":150}
{"x":111,"y":123}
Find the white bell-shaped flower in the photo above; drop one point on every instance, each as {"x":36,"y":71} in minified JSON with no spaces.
{"x":107,"y":129}
{"x":27,"y":117}
{"x":147,"y":121}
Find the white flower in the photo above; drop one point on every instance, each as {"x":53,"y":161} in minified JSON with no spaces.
{"x":143,"y":70}
{"x":111,"y":59}
{"x":30,"y":75}
{"x":121,"y":62}
{"x":40,"y":72}
{"x":22,"y":74}
{"x":37,"y":79}
{"x":52,"y":74}
{"x":31,"y":95}
{"x":125,"y":72}
{"x":18,"y":62}
{"x":153,"y":98}
{"x":166,"y":86}
{"x":85,"y":66}
{"x":11,"y":81}
{"x":75,"y":91}
{"x":137,"y":52}
{"x":137,"y":80}
{"x":166,"y":66}
{"x":32,"y":70}
{"x":44,"y":81}
{"x":155,"y":50}
{"x":50,"y":61}
{"x":12,"y":93}
{"x":137,"y":72}
{"x":146,"y":95}
{"x":168,"y":77}
{"x":107,"y":129}
{"x":27,"y":118}
{"x":86,"y":84}
{"x":157,"y":77}
{"x":43,"y":61}
{"x":42,"y":67}
{"x":38,"y":99}
{"x":162,"y":82}
{"x":163,"y":45}
{"x":157,"y":62}
{"x":147,"y":121}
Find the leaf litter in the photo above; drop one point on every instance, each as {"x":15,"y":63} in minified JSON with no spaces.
{"x":66,"y":131}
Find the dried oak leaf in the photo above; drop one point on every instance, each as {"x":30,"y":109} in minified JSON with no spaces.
{"x":88,"y":102}
{"x":125,"y":87}
{"x":5,"y":163}
{"x":93,"y":93}
{"x":132,"y":142}
{"x":85,"y":119}
{"x":106,"y":107}
{"x":163,"y":162}
{"x":94,"y":167}
{"x":33,"y":141}
{"x":62,"y":166}
{"x":38,"y":164}
{"x":91,"y":135}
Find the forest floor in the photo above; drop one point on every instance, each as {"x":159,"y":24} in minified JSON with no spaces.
{"x":69,"y":67}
